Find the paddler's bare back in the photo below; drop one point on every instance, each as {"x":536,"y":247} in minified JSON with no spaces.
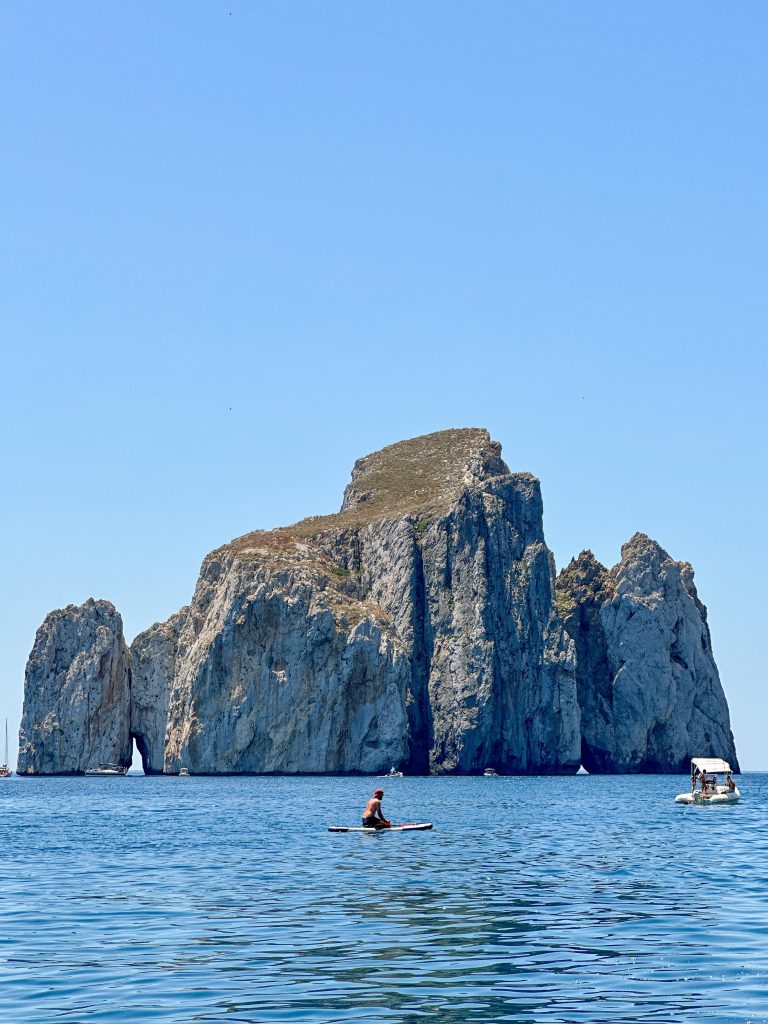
{"x":373,"y":816}
{"x":372,"y":808}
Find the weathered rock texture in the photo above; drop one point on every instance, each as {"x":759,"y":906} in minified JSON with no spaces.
{"x":417,"y":627}
{"x":76,"y":693}
{"x":153,"y":666}
{"x":275,"y":668}
{"x":649,"y":689}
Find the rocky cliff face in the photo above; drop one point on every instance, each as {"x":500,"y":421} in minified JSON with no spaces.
{"x":452,"y":548}
{"x":275,"y":669}
{"x":649,"y":689}
{"x":76,"y":693}
{"x":417,"y":627}
{"x":154,"y":656}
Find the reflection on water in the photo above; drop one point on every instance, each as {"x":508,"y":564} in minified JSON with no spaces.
{"x":539,"y":900}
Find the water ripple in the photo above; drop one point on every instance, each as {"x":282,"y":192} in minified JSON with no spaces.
{"x":534,"y":900}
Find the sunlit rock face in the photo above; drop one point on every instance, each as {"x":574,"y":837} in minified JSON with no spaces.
{"x":282,"y":672}
{"x":76,"y":693}
{"x":649,"y":689}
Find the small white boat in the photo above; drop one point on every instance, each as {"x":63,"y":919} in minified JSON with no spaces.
{"x":393,"y":773}
{"x":5,"y":771}
{"x":712,"y":783}
{"x":490,"y":773}
{"x":108,"y":769}
{"x":184,"y":771}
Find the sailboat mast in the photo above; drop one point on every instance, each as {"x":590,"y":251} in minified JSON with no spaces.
{"x":5,"y":771}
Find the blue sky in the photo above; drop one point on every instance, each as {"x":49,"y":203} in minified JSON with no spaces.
{"x":244,"y":243}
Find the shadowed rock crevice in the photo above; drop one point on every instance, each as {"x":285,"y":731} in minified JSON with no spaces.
{"x":583,"y":587}
{"x":420,"y":724}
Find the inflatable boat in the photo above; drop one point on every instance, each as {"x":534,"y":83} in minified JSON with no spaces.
{"x":712,"y":783}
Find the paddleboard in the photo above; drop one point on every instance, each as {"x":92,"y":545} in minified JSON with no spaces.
{"x":392,"y":828}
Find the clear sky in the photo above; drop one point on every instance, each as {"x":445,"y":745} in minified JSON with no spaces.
{"x":245,"y":243}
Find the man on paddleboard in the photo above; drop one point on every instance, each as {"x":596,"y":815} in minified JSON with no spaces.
{"x":372,"y":816}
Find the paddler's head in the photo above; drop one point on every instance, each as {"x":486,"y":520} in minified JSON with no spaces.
{"x":378,"y":793}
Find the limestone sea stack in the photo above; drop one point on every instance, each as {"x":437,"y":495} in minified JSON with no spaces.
{"x":418,"y":626}
{"x":649,"y":689}
{"x":76,"y":693}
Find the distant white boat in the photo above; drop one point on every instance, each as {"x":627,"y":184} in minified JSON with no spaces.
{"x":582,"y":770}
{"x":393,"y":773}
{"x":108,"y":769}
{"x":5,"y":771}
{"x":715,"y":783}
{"x":184,"y":771}
{"x":490,"y":773}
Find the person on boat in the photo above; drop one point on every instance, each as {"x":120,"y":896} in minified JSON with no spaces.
{"x":372,"y":815}
{"x":704,"y":783}
{"x":730,"y":784}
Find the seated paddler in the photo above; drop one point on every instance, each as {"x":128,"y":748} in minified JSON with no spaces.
{"x":372,"y":815}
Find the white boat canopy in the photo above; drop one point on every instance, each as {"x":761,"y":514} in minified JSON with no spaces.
{"x":708,"y":764}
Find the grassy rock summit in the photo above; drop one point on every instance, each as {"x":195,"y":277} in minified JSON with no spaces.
{"x":419,"y":626}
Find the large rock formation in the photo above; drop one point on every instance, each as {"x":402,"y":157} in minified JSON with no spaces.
{"x":418,"y":627}
{"x":415,"y":627}
{"x":649,"y":689}
{"x":76,"y":693}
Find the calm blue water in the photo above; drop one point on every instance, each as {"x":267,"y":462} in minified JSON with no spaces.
{"x":537,"y":900}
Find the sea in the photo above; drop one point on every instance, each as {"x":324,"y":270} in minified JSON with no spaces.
{"x":551,"y":900}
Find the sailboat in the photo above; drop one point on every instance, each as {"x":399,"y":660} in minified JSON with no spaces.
{"x":5,"y":771}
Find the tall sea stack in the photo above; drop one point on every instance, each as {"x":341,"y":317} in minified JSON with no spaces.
{"x":415,"y":627}
{"x":76,"y":693}
{"x":649,"y":688}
